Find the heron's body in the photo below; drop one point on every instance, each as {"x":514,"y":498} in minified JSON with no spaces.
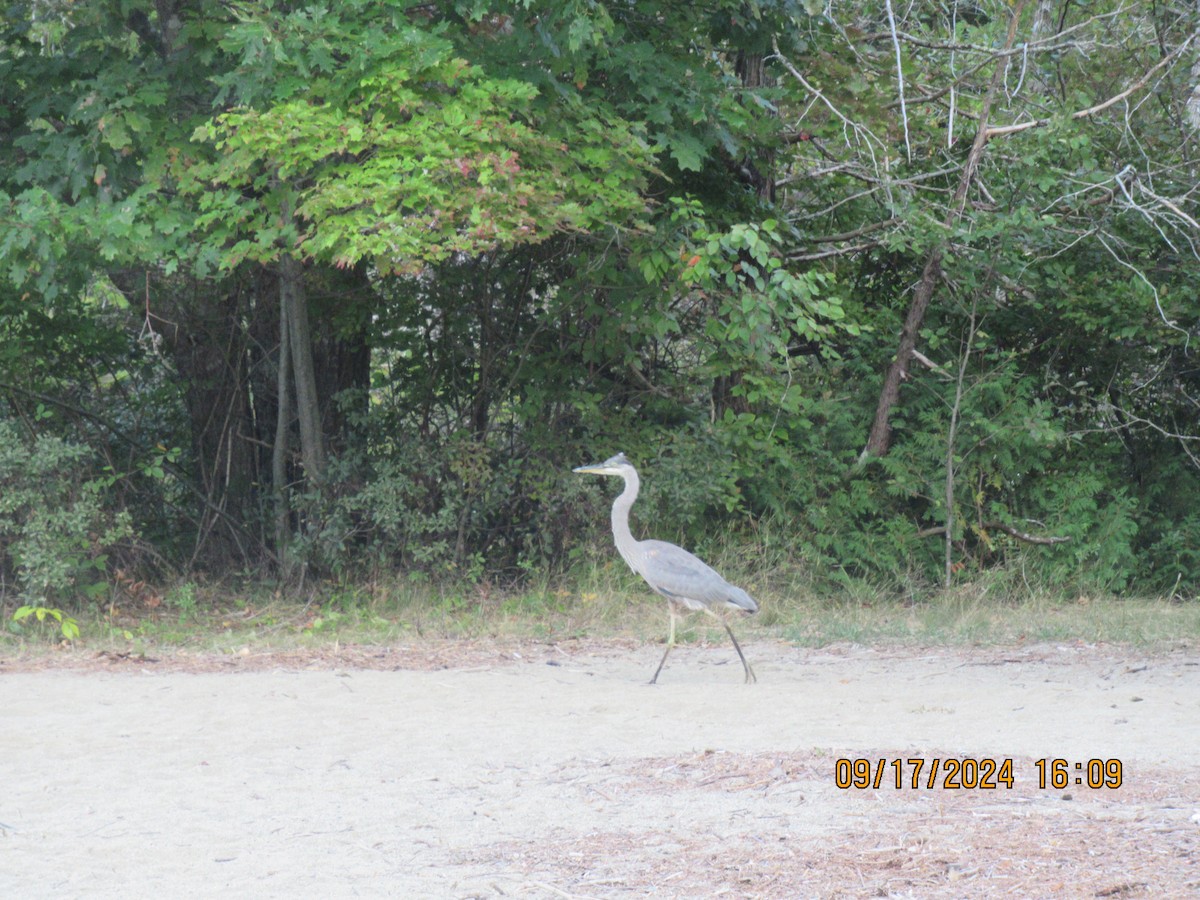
{"x":683,"y":578}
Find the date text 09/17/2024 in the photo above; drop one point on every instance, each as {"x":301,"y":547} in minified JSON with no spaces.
{"x":984,"y":774}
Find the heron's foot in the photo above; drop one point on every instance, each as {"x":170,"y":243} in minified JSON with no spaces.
{"x":751,"y":678}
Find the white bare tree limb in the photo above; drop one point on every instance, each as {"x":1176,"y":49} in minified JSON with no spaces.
{"x":868,"y":137}
{"x":1054,"y":43}
{"x":899,"y":80}
{"x":1001,"y":130}
{"x":953,"y":78}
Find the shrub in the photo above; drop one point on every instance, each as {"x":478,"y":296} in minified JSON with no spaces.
{"x":55,"y":529}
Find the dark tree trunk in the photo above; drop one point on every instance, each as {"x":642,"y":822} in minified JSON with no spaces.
{"x":281,"y":447}
{"x":751,"y":68}
{"x":293,"y":307}
{"x":881,"y":429}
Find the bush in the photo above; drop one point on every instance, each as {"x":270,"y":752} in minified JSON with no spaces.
{"x":56,"y":532}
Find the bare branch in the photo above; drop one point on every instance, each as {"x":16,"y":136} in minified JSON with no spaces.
{"x":870,"y":138}
{"x":856,"y":233}
{"x":1024,"y":535}
{"x":836,"y":251}
{"x":1007,"y":529}
{"x":1055,"y":43}
{"x":1131,"y":420}
{"x":899,"y":79}
{"x":930,"y":364}
{"x":1001,"y":130}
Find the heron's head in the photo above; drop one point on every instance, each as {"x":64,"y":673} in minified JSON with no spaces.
{"x":616,"y":465}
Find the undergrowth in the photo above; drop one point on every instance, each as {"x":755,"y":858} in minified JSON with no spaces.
{"x":603,"y":602}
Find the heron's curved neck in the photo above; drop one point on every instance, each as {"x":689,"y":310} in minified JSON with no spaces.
{"x":620,"y":512}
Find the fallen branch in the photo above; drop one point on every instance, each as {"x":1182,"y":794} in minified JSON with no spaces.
{"x":1007,"y":529}
{"x":1025,"y":536}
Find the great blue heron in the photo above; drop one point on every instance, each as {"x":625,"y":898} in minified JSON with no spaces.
{"x":686,"y":581}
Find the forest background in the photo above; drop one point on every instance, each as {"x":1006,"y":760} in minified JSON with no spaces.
{"x":305,"y":294}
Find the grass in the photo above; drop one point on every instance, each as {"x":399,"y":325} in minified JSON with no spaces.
{"x":221,"y":620}
{"x":955,"y":620}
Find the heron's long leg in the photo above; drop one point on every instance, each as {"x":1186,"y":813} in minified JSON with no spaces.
{"x":670,"y":644}
{"x":750,"y":676}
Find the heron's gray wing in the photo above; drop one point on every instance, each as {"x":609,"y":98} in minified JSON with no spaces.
{"x":675,"y":573}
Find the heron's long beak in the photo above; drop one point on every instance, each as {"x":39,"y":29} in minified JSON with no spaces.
{"x":593,"y":469}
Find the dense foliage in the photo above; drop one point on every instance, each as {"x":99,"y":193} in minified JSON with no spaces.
{"x":895,"y":294}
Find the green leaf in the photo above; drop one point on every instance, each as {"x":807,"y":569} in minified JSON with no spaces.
{"x":687,"y":151}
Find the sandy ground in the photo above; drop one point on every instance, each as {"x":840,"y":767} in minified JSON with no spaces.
{"x":553,"y":771}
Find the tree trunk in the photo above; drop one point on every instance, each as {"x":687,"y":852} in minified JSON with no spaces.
{"x":881,"y":430}
{"x":751,"y":69}
{"x":293,"y":307}
{"x":283,"y":429}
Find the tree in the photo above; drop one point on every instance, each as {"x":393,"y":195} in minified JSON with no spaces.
{"x":348,"y":138}
{"x":1043,"y":223}
{"x":361,"y":279}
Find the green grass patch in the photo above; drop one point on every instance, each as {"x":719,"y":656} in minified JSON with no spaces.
{"x":220,"y":619}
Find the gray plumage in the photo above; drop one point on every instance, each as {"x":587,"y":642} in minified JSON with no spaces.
{"x":684,"y":579}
